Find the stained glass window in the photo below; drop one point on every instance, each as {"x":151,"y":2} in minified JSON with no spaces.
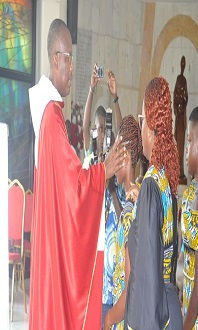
{"x":17,"y":27}
{"x":16,"y":35}
{"x":15,"y":112}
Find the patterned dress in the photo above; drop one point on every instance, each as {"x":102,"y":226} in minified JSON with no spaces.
{"x":124,"y":225}
{"x":110,"y":242}
{"x":190,"y":243}
{"x":152,"y":302}
{"x":111,"y":224}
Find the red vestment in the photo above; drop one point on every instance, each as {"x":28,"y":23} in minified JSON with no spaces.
{"x":67,"y":210}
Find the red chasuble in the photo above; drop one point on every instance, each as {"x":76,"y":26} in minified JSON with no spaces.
{"x":67,"y":211}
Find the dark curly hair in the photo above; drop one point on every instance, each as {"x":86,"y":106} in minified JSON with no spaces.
{"x":131,"y":137}
{"x":158,"y":112}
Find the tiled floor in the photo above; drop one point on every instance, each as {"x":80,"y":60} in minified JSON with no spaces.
{"x":20,"y":318}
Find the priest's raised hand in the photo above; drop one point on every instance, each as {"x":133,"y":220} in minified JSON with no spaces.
{"x":115,"y":158}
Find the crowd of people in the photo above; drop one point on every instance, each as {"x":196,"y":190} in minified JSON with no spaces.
{"x":137,"y":272}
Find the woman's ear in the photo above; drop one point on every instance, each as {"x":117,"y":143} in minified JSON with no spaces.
{"x":128,"y":157}
{"x":151,"y":139}
{"x":150,"y":134}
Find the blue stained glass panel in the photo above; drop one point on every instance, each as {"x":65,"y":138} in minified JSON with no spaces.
{"x":16,"y":35}
{"x":14,"y":110}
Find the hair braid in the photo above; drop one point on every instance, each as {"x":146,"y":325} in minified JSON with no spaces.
{"x":131,"y":137}
{"x":158,"y":111}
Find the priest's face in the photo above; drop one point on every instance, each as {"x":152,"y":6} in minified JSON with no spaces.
{"x":64,"y":60}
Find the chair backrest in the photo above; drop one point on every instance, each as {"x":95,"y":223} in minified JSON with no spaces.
{"x":16,"y":211}
{"x":28,"y":211}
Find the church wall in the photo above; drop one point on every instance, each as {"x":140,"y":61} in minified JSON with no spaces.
{"x":178,"y":47}
{"x":115,"y":28}
{"x":186,"y":45}
{"x":123,"y":36}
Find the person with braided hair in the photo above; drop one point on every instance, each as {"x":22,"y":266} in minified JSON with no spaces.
{"x":131,"y":137}
{"x":152,"y":302}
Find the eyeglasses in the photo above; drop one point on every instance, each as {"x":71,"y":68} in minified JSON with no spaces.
{"x":140,"y":120}
{"x":68,"y":55}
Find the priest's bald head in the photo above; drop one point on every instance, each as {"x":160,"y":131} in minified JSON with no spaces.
{"x":59,"y":47}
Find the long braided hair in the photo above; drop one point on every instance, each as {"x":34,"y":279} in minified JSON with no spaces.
{"x":158,"y":112}
{"x":131,"y":137}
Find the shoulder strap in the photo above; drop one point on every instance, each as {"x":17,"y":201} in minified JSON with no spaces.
{"x":175,"y":241}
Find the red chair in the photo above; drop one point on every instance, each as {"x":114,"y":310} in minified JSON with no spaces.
{"x":27,"y":226}
{"x":28,"y":223}
{"x":16,"y":211}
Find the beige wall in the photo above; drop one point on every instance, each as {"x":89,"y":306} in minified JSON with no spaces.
{"x":136,"y":39}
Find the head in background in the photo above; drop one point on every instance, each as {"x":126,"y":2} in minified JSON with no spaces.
{"x":68,"y":126}
{"x":100,"y":124}
{"x":159,"y":145}
{"x":105,"y":142}
{"x":131,"y":138}
{"x":192,"y":144}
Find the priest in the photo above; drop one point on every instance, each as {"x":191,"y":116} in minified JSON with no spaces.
{"x":65,"y":265}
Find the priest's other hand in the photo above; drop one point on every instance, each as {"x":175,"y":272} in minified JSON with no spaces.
{"x":115,"y":158}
